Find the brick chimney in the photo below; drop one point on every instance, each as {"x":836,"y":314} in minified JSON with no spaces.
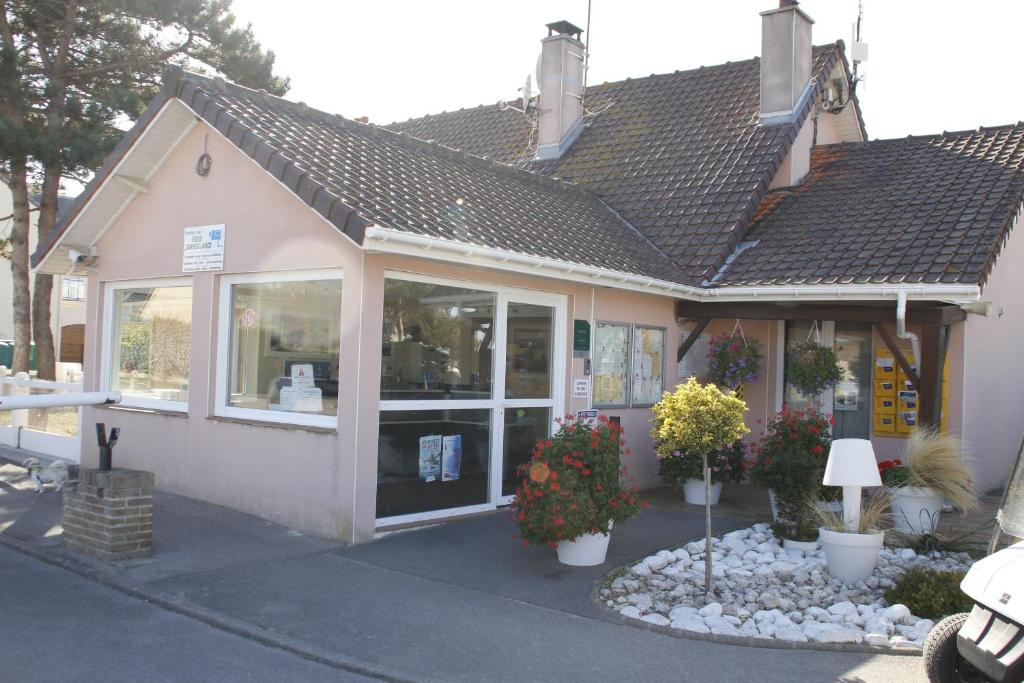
{"x":560,"y":79}
{"x":785,"y":62}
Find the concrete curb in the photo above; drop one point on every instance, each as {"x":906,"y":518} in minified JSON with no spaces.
{"x":214,"y":619}
{"x":765,"y":643}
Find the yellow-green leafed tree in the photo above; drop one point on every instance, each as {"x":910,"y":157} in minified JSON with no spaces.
{"x":698,"y":419}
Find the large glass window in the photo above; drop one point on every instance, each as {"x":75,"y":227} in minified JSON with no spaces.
{"x":432,"y":459}
{"x":283,"y":348}
{"x":438,"y":342}
{"x":150,"y":344}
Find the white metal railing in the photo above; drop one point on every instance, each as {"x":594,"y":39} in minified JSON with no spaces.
{"x":44,"y":416}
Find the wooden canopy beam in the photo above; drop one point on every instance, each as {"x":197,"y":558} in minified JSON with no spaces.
{"x":691,"y":338}
{"x":917,"y":313}
{"x":934,"y":345}
{"x":897,"y":353}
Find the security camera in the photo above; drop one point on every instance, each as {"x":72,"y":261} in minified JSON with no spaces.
{"x":76,"y":256}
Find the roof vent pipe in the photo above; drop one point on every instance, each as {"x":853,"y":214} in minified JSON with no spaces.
{"x":901,"y":326}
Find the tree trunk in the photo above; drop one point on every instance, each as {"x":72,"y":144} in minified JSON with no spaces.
{"x":42,"y":291}
{"x":20,"y":303}
{"x":42,"y":334}
{"x":708,"y":588}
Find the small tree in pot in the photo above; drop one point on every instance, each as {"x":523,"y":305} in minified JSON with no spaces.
{"x":699,"y":419}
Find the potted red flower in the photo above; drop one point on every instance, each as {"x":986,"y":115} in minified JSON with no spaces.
{"x":572,"y":491}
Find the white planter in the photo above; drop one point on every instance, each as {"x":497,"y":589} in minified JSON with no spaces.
{"x":915,"y":509}
{"x":587,"y":550}
{"x":693,"y":491}
{"x":806,"y":546}
{"x":850,"y":557}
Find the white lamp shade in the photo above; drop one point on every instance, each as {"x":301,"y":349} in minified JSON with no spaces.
{"x":851,"y":462}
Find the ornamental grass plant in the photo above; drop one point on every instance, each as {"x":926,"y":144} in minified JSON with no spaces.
{"x":934,"y":460}
{"x":874,"y":514}
{"x":573,"y":484}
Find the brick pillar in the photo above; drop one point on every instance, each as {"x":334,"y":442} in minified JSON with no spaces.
{"x":110,"y":514}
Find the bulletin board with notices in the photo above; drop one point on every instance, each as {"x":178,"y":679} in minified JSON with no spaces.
{"x":611,"y":364}
{"x":648,"y":365}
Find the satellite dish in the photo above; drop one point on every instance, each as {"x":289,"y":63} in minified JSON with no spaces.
{"x":527,"y":93}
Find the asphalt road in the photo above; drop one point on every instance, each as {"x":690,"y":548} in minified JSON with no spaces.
{"x":58,"y":627}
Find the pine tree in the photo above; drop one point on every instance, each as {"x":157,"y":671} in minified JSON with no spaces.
{"x":72,"y":74}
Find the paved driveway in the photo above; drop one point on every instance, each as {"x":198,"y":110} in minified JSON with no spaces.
{"x":454,"y":602}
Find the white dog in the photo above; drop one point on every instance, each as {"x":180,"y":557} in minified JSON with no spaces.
{"x":54,"y":473}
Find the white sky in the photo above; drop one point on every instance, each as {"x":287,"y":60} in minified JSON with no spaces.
{"x":933,"y":65}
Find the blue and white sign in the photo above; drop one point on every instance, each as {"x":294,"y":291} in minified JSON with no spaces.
{"x":204,"y":249}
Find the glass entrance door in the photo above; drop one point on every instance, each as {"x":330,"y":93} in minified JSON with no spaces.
{"x":470,"y":379}
{"x":529,"y":389}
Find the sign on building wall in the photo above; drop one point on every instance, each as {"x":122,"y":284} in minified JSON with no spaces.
{"x":204,"y":249}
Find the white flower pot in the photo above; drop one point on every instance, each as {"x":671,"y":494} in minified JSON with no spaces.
{"x":587,"y":550}
{"x":915,"y":509}
{"x":806,"y":546}
{"x":693,"y":491}
{"x":850,"y":557}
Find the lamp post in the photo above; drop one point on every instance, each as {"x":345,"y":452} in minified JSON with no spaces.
{"x":851,"y":464}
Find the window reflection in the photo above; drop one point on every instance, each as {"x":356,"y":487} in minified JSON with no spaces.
{"x":438,"y":342}
{"x":528,"y":352}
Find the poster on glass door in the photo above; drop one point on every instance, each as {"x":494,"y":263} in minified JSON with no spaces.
{"x":430,"y":458}
{"x":451,"y":457}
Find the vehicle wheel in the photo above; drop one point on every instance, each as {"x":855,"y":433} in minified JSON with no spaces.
{"x":942,"y":661}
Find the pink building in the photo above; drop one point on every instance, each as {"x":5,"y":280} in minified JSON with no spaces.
{"x":343,"y":327}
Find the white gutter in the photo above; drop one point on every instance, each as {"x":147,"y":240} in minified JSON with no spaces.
{"x":901,"y":325}
{"x":378,"y":239}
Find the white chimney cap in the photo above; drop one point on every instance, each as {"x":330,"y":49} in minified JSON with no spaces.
{"x":851,"y":462}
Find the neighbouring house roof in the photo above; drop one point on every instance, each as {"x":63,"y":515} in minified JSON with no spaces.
{"x":922,"y":209}
{"x":680,"y":156}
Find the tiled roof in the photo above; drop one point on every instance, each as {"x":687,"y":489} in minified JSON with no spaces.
{"x":680,"y":156}
{"x":356,"y":175}
{"x":926,"y":209}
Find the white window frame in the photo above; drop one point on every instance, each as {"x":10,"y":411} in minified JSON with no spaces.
{"x":223,"y":366}
{"x":497,"y":403}
{"x":109,"y":330}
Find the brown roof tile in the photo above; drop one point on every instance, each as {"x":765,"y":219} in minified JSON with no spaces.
{"x":926,"y":209}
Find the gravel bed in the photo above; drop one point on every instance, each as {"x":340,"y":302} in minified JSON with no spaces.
{"x":763,"y":591}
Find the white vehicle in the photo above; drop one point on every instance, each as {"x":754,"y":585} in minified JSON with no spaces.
{"x":987,"y":644}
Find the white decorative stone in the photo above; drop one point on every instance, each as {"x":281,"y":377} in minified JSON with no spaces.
{"x":713,"y":609}
{"x":694,"y":624}
{"x":655,"y":619}
{"x":897,"y":614}
{"x":792,"y":633}
{"x":877,"y":639}
{"x":842,"y":608}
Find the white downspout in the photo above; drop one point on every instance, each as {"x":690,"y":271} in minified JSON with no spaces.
{"x":901,"y":326}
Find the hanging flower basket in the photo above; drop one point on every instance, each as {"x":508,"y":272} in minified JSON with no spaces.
{"x":733,"y":359}
{"x":813,"y":368}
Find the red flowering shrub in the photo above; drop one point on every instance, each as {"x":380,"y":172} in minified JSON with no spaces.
{"x":790,"y":460}
{"x":894,"y":473}
{"x":572,"y":484}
